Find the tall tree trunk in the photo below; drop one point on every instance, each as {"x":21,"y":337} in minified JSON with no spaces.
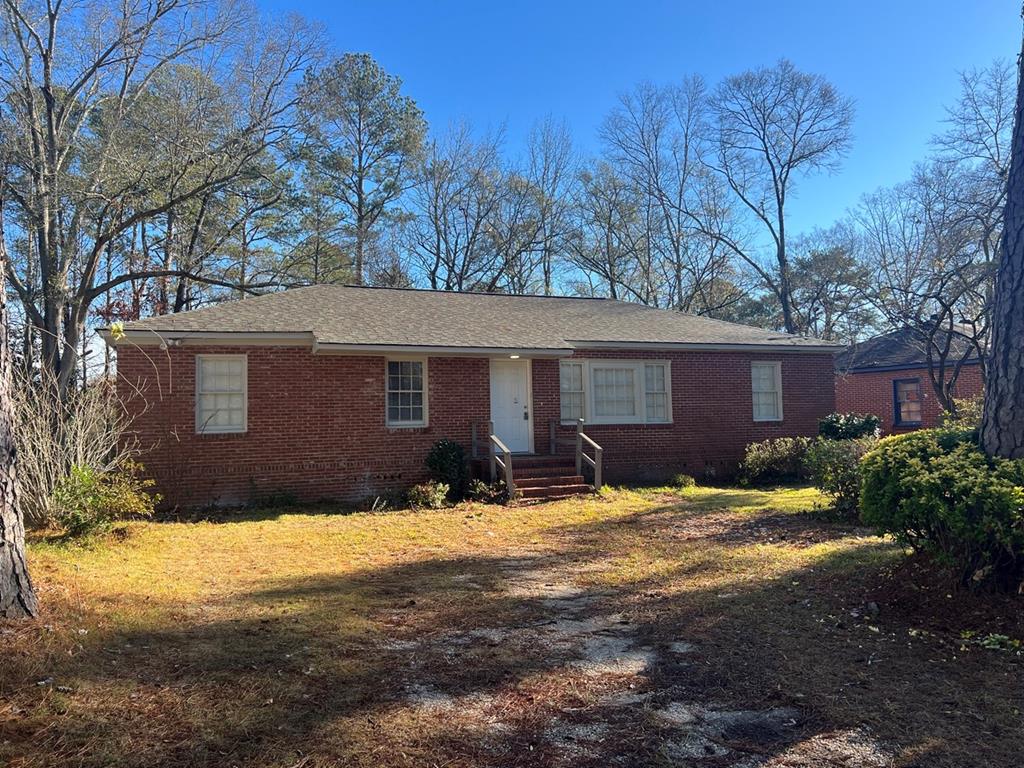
{"x":17,"y":597}
{"x":1002,"y":430}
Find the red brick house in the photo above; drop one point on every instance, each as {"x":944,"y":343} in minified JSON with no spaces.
{"x":339,"y":392}
{"x":888,"y":376}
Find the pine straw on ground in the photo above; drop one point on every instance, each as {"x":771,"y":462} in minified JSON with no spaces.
{"x":298,"y":639}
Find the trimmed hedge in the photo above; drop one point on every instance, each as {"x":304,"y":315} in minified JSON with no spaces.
{"x":938,"y":492}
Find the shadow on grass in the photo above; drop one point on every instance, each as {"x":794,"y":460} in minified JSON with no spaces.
{"x":380,"y":667}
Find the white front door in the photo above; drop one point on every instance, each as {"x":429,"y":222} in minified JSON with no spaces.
{"x":510,"y":404}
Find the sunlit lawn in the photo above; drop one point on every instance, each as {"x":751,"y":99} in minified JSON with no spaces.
{"x":294,"y":638}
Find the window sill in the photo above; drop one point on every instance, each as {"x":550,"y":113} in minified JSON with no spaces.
{"x":407,"y":426}
{"x":215,"y":432}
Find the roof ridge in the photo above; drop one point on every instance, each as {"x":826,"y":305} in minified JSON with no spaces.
{"x":450,"y":292}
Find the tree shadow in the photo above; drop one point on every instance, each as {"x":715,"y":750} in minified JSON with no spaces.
{"x":442,"y":661}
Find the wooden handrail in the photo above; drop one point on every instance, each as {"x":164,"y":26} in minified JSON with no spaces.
{"x":505,"y":462}
{"x":595,"y":462}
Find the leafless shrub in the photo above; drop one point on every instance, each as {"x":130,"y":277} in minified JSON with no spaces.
{"x":87,"y":428}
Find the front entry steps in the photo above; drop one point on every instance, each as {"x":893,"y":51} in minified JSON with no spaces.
{"x":548,"y":477}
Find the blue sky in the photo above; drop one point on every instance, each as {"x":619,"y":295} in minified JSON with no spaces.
{"x":508,"y":62}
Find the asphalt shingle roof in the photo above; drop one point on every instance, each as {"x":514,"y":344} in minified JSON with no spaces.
{"x":903,"y":348}
{"x":351,"y":315}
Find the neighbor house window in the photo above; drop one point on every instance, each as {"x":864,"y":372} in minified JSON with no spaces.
{"x":766,"y":385}
{"x":907,"y":401}
{"x":407,"y":393}
{"x":615,"y":391}
{"x":221,"y":397}
{"x":571,"y":391}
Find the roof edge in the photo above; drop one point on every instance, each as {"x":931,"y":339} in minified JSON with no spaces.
{"x":708,"y":346}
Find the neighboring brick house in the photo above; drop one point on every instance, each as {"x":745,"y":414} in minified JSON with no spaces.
{"x":338,"y":392}
{"x":888,"y":376}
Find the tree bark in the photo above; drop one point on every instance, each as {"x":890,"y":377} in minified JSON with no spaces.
{"x":1002,"y":430}
{"x":17,"y":597}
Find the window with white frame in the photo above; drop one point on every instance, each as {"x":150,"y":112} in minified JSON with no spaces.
{"x":571,"y":391}
{"x":766,"y":388}
{"x":406,"y":393}
{"x":656,"y":392}
{"x":221,"y":394}
{"x":616,"y":391}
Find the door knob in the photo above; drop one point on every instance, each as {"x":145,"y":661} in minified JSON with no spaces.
{"x":526,"y":415}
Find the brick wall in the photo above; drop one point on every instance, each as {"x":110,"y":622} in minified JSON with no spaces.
{"x":872,"y":392}
{"x":712,"y":412}
{"x":316,"y":425}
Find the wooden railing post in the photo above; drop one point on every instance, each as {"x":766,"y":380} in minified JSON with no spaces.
{"x":490,"y":451}
{"x":598,"y":453}
{"x":579,"y":446}
{"x":510,"y":482}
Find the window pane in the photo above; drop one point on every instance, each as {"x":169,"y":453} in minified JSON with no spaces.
{"x":657,"y":406}
{"x":572,"y":377}
{"x":614,"y":392}
{"x":654,"y":376}
{"x":572,"y":406}
{"x":405,"y":391}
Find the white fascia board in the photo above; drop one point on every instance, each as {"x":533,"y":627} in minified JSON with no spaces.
{"x":322,"y":348}
{"x":203,"y":338}
{"x":699,"y":347}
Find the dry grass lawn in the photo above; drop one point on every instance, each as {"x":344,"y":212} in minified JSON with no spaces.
{"x":711,"y":627}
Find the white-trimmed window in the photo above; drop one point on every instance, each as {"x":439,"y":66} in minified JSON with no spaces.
{"x":221,"y":394}
{"x":571,"y":391}
{"x":656,"y":391}
{"x":406,"y":393}
{"x":766,"y":389}
{"x":616,"y":391}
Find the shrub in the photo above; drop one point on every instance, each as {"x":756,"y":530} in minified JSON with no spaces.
{"x":85,"y":429}
{"x":89,"y":500}
{"x":834,"y":466}
{"x":938,"y":492}
{"x":848,"y":426}
{"x":779,"y":460}
{"x":430,"y":495}
{"x":683,"y":481}
{"x":446,"y":463}
{"x":488,"y":493}
{"x":968,"y":413}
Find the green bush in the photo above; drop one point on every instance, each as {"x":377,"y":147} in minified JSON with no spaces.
{"x":968,"y":413}
{"x":446,"y":463}
{"x":683,"y":481}
{"x":834,"y":466}
{"x":938,"y":492}
{"x":778,"y":460}
{"x":848,"y":426}
{"x":430,"y":495}
{"x":90,"y":500}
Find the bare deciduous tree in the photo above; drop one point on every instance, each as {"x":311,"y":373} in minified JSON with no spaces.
{"x":88,"y":161}
{"x":771,"y":127}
